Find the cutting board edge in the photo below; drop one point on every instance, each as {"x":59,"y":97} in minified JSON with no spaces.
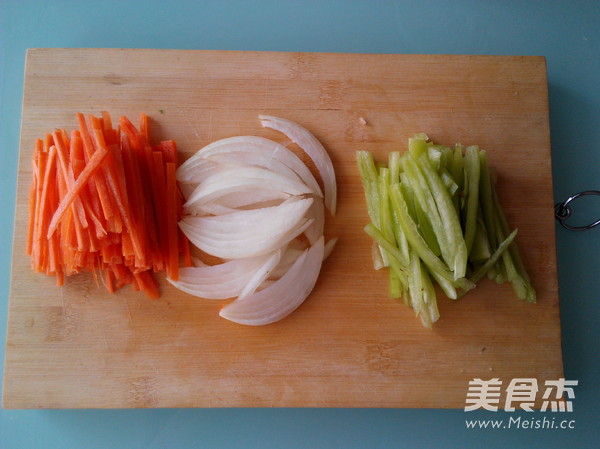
{"x":241,"y":51}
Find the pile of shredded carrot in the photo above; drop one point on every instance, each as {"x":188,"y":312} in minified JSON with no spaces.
{"x":104,"y":200}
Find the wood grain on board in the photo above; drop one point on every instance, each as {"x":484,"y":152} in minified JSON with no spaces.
{"x":349,"y":344}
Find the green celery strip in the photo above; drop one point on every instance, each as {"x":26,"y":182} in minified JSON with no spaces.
{"x":415,"y":283}
{"x":449,"y":183}
{"x":414,"y":238}
{"x":415,"y":210}
{"x":472,"y":175}
{"x":481,"y":272}
{"x":400,"y":238}
{"x":425,"y":199}
{"x":397,"y":264}
{"x":435,"y":215}
{"x":446,"y":285}
{"x":434,"y":155}
{"x":446,"y":161}
{"x":458,"y":176}
{"x":429,"y":313}
{"x":481,"y":245}
{"x":449,"y":221}
{"x":417,"y":145}
{"x":487,"y":200}
{"x":394,"y":161}
{"x":385,"y":217}
{"x":369,"y":177}
{"x":396,"y":290}
{"x":512,"y":262}
{"x":393,"y":250}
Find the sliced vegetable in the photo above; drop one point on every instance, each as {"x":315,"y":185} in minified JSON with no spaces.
{"x":244,"y":150}
{"x":89,"y":208}
{"x":282,"y":297}
{"x":220,"y":281}
{"x":435,"y":215}
{"x":254,"y":204}
{"x":315,"y":150}
{"x":248,"y":233}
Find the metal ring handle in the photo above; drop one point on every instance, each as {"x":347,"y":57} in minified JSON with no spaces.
{"x":562,"y":211}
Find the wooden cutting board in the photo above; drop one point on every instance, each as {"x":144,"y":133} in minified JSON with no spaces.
{"x":349,"y":344}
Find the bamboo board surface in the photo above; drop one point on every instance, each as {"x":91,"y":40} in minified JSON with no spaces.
{"x":349,"y":344}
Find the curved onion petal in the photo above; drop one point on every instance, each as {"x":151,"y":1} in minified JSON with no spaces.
{"x":315,"y":150}
{"x":329,"y":246}
{"x":293,"y":250}
{"x":264,"y":151}
{"x":283,"y":296}
{"x":262,"y":148}
{"x":230,"y":203}
{"x":252,"y":157}
{"x":248,"y":233}
{"x":198,"y":170}
{"x":260,"y":275}
{"x":292,"y":253}
{"x":316,"y":213}
{"x":248,"y":200}
{"x":236,"y":179}
{"x":222,"y":281}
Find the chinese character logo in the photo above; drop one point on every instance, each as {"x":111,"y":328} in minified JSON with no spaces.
{"x":562,"y":389}
{"x":483,"y":394}
{"x":521,"y":393}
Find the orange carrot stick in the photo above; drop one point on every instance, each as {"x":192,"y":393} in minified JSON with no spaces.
{"x":113,"y":196}
{"x":98,"y":181}
{"x":109,"y":280}
{"x":41,"y":171}
{"x":118,"y":171}
{"x":32,"y":209}
{"x":64,"y":136}
{"x":104,"y":200}
{"x":147,"y":284}
{"x":110,"y":134}
{"x":90,"y":203}
{"x":64,"y":182}
{"x":41,"y":225}
{"x":138,"y":201}
{"x":48,"y":205}
{"x":93,"y":165}
{"x":160,"y":203}
{"x":144,"y":126}
{"x":48,"y":142}
{"x":173,"y":247}
{"x":169,"y":149}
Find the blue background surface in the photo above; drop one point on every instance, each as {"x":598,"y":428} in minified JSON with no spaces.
{"x":566,"y":33}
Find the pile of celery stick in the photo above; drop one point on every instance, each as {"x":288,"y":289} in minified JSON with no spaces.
{"x":435,"y":217}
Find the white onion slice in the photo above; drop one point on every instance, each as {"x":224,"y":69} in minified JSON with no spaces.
{"x":230,"y":203}
{"x":248,"y":200}
{"x":287,"y":260}
{"x":222,"y":281}
{"x":203,"y":168}
{"x":262,"y":149}
{"x":256,"y":157}
{"x":248,"y":233}
{"x":292,"y":253}
{"x":329,"y":246}
{"x":260,"y":275}
{"x":315,"y":150}
{"x":282,"y":297}
{"x":317,"y":214}
{"x":236,"y":179}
